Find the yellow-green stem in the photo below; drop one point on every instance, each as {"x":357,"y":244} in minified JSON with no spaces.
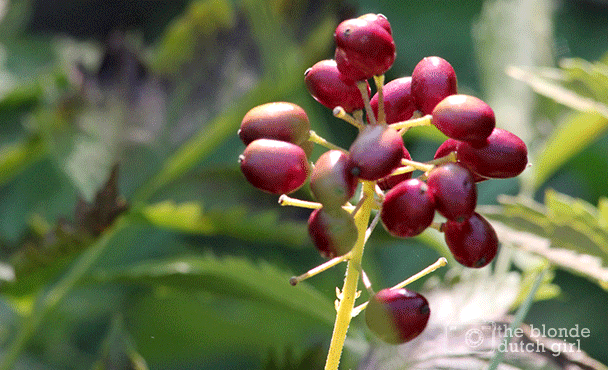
{"x":321,"y":141}
{"x":379,"y":80}
{"x":349,"y":290}
{"x":423,"y":121}
{"x":371,"y":118}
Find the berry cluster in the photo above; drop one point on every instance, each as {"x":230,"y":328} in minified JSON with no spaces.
{"x":278,"y":139}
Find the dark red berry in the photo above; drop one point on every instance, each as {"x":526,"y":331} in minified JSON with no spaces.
{"x":279,"y":121}
{"x":390,"y":181}
{"x":473,"y":242}
{"x":433,"y":79}
{"x":464,"y":118}
{"x":503,"y":155}
{"x":451,"y":145}
{"x":329,"y":87}
{"x":368,"y":48}
{"x":332,"y":181}
{"x":274,"y":166}
{"x":397,"y":315}
{"x":376,"y":152}
{"x":407,"y":209}
{"x":333,"y":234}
{"x":398,"y":100}
{"x":454,"y":191}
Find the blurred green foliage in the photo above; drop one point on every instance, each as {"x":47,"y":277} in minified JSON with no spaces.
{"x":175,"y":262}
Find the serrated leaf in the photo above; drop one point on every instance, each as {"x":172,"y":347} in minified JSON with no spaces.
{"x":574,"y":134}
{"x":186,"y":217}
{"x":227,"y":276}
{"x":568,"y":232}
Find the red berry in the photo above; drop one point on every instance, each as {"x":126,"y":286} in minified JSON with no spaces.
{"x":433,"y":79}
{"x":448,"y":146}
{"x":348,"y":69}
{"x":368,"y":47}
{"x":279,"y":120}
{"x":398,"y":100}
{"x":376,"y":152}
{"x":397,"y":315}
{"x":503,"y":155}
{"x":274,"y":166}
{"x":331,"y":180}
{"x":333,"y":234}
{"x":329,"y":87}
{"x":454,"y":192}
{"x":464,"y":118}
{"x":451,"y":145}
{"x":473,"y":242}
{"x":390,"y":181}
{"x":407,"y":209}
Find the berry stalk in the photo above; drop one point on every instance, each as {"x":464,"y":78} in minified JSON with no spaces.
{"x":349,"y":290}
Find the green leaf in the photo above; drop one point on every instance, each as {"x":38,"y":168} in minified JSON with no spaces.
{"x":207,"y":305}
{"x":186,"y":217}
{"x":118,"y":351}
{"x":16,"y":157}
{"x":571,"y":137}
{"x":594,"y":76}
{"x":227,"y":276}
{"x":569,"y":232}
{"x":236,"y":221}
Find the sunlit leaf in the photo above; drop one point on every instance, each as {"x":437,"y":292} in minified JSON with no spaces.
{"x":15,"y":157}
{"x":187,"y":217}
{"x":571,"y":137}
{"x":593,"y":76}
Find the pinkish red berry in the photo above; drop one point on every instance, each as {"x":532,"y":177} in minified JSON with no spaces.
{"x":503,"y":155}
{"x":464,"y":118}
{"x":397,"y":315}
{"x":451,"y":145}
{"x":274,"y":166}
{"x":329,"y":87}
{"x":398,"y":100}
{"x":454,"y":192}
{"x":368,"y":48}
{"x":407,"y":209}
{"x":333,"y":234}
{"x":378,"y":19}
{"x":433,"y":79}
{"x":278,"y":120}
{"x":332,"y":181}
{"x":473,"y":242}
{"x":376,"y":152}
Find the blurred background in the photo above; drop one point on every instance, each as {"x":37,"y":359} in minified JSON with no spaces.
{"x":159,"y":88}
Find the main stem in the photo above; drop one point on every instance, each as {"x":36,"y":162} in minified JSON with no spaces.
{"x":349,"y":290}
